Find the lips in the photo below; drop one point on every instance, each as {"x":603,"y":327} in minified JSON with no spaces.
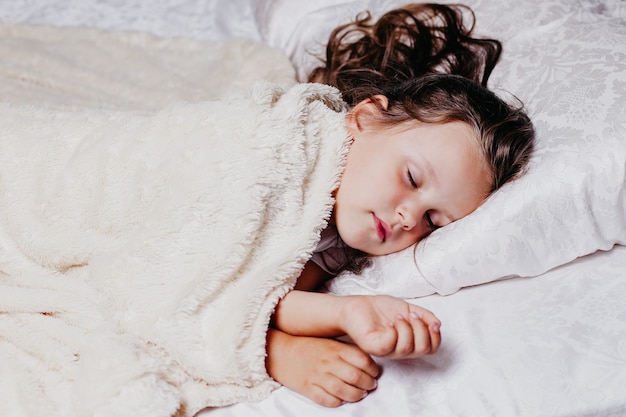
{"x":382,"y":229}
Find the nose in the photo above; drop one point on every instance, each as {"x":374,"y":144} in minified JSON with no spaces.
{"x":408,"y":215}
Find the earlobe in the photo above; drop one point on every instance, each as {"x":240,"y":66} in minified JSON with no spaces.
{"x":352,"y":123}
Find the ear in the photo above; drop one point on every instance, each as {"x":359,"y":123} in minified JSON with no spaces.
{"x":364,"y":112}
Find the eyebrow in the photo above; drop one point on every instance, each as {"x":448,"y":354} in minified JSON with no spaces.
{"x":430,"y":170}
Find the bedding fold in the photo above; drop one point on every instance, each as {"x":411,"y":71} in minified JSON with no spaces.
{"x":142,"y":252}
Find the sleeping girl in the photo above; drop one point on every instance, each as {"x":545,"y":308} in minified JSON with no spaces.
{"x":155,"y":263}
{"x":426,"y":150}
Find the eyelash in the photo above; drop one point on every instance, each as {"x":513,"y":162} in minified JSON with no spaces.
{"x":410,"y":178}
{"x":430,"y":223}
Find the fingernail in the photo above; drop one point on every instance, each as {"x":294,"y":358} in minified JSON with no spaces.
{"x":400,"y":317}
{"x":414,"y":315}
{"x":435,"y":327}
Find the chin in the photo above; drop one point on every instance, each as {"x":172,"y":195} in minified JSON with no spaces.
{"x":353,"y":240}
{"x":374,"y":250}
{"x":380,"y":252}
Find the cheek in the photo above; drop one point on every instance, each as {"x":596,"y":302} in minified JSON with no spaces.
{"x":349,"y":183}
{"x":356,"y":188}
{"x":406,"y":240}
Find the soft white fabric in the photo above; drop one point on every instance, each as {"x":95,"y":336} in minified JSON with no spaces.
{"x":565,"y":61}
{"x":128,"y":70}
{"x":142,"y":253}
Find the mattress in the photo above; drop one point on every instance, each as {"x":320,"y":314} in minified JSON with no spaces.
{"x":538,"y":337}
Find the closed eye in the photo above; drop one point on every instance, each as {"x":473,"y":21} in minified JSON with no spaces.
{"x":411,"y":179}
{"x":429,"y":222}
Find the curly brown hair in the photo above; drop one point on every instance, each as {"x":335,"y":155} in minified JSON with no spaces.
{"x":405,"y":43}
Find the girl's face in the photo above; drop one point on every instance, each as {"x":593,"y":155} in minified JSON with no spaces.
{"x":400,"y":185}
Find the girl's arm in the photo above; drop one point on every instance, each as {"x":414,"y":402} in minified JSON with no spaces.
{"x":380,"y":325}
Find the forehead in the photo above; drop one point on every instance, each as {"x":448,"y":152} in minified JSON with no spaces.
{"x":452,"y":138}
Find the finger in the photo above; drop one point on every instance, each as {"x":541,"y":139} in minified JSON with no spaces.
{"x":434,"y":326}
{"x":361,"y":360}
{"x":324,"y":398}
{"x":422,"y":336}
{"x":342,"y":391}
{"x":405,"y":343}
{"x":356,"y":377}
{"x":435,"y":338}
{"x":427,"y":316}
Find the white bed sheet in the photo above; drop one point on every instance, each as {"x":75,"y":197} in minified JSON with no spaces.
{"x":554,"y":345}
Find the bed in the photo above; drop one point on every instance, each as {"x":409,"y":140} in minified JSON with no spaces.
{"x":530,"y":288}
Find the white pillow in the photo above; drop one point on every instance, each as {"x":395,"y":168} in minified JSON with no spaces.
{"x":565,"y":61}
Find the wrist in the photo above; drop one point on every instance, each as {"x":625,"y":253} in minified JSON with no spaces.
{"x":346,"y":308}
{"x":302,"y":313}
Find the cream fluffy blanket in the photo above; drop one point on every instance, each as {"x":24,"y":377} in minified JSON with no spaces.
{"x":142,"y":253}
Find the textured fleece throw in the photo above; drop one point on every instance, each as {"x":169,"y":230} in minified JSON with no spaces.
{"x":143,"y":252}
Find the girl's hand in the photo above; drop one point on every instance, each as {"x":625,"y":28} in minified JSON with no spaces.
{"x":327,"y":371}
{"x":390,"y":327}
